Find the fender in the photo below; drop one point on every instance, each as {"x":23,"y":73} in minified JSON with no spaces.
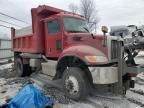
{"x":81,"y":51}
{"x":78,"y":51}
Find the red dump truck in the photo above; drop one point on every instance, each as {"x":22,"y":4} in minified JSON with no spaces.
{"x":58,"y":43}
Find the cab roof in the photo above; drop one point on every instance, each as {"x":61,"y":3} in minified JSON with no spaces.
{"x":51,"y":11}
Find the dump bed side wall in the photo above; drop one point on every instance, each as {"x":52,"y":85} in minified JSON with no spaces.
{"x":24,"y":44}
{"x":30,"y":42}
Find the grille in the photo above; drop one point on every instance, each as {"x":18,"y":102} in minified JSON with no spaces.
{"x":114,"y":49}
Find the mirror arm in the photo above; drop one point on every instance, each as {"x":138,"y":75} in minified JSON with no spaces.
{"x":105,"y":40}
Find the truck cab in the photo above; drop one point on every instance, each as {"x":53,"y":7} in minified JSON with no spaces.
{"x":58,"y":29}
{"x":68,"y":34}
{"x":60,"y":46}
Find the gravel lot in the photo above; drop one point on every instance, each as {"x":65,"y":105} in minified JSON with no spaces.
{"x":10,"y":84}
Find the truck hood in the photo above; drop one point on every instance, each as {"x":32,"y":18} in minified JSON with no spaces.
{"x":82,"y":44}
{"x":86,"y":39}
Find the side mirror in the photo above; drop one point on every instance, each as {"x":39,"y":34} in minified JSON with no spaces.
{"x":104,"y":29}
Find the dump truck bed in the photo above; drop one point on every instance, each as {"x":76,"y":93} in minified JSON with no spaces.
{"x":24,"y":40}
{"x":31,"y":39}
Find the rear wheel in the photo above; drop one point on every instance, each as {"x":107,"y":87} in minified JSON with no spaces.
{"x":22,"y":69}
{"x":75,"y":83}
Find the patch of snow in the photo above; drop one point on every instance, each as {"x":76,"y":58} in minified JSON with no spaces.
{"x":111,"y":103}
{"x":77,"y":105}
{"x":141,"y":53}
{"x":6,"y":66}
{"x":8,"y":91}
{"x":9,"y":87}
{"x":138,"y":87}
{"x":135,"y":96}
{"x":141,"y":76}
{"x":139,"y":59}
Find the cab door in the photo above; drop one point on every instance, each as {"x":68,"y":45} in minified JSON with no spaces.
{"x":53,"y":38}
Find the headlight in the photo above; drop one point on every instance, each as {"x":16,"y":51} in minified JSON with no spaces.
{"x":94,"y":59}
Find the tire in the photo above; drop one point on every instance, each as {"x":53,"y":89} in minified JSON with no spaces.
{"x":75,"y":83}
{"x":22,"y":70}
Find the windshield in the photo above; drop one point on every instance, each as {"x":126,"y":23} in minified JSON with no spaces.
{"x":75,"y":25}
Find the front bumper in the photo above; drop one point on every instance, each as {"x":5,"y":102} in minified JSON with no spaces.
{"x":104,"y":75}
{"x":109,"y":75}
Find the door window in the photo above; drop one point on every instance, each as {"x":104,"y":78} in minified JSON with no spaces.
{"x":53,"y":27}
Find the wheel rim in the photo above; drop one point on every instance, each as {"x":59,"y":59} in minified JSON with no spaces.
{"x":72,"y":85}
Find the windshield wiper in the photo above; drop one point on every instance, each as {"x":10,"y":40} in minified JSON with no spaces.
{"x":75,"y":31}
{"x":89,"y":32}
{"x":86,"y":29}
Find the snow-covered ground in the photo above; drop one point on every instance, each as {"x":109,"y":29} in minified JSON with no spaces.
{"x":9,"y":88}
{"x":6,"y":66}
{"x":134,"y":98}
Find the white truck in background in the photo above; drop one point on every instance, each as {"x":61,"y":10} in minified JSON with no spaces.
{"x":124,"y":32}
{"x":130,"y":34}
{"x":138,"y":35}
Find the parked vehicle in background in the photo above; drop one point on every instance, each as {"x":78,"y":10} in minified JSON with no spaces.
{"x":138,"y":35}
{"x":5,"y":49}
{"x":123,"y":31}
{"x":60,"y":45}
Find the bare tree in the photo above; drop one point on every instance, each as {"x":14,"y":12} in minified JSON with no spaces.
{"x":73,"y":8}
{"x":88,"y":10}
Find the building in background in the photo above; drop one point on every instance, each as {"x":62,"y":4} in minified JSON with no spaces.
{"x":5,"y":49}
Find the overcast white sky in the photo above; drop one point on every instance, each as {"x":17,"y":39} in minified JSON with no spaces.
{"x":110,"y":12}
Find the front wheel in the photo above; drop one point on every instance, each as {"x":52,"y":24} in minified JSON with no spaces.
{"x":75,"y":83}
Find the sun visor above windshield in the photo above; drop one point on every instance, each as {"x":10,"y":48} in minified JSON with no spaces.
{"x":48,"y":10}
